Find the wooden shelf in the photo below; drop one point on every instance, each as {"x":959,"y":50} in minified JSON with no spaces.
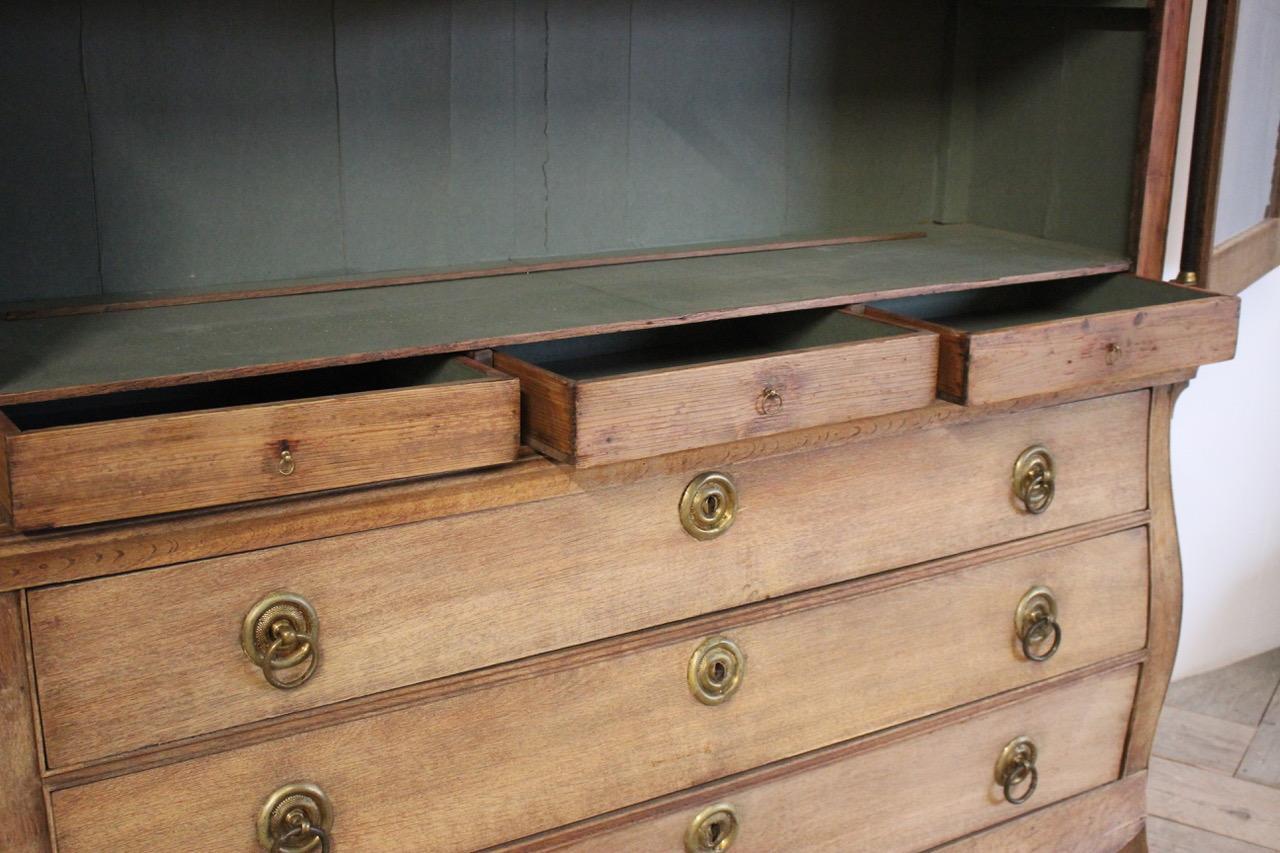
{"x":54,"y":357}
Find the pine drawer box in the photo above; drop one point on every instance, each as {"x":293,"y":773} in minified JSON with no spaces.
{"x":564,"y":571}
{"x":193,"y":446}
{"x":686,"y":704}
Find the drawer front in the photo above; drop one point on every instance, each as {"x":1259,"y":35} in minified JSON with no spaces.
{"x":619,"y":724}
{"x":631,"y":415}
{"x":1010,"y":342}
{"x":913,"y":794}
{"x":417,"y":602}
{"x":146,"y":465}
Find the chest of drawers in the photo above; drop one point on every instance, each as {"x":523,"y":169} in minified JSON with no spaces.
{"x":797,"y":479}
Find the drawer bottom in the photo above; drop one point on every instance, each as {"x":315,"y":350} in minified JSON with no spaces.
{"x":888,"y":792}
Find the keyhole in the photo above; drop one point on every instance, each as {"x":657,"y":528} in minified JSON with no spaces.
{"x":714,"y":831}
{"x":718,"y":672}
{"x":711,"y":506}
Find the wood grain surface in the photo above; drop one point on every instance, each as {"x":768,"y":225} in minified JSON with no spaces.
{"x":24,"y":827}
{"x":607,"y":561}
{"x":941,"y":779}
{"x":70,"y":475}
{"x":483,"y":766}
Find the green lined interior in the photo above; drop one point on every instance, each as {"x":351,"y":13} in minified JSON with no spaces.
{"x":1018,"y":305}
{"x":601,"y":356}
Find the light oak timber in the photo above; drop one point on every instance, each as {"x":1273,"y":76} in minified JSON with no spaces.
{"x":1098,"y":821}
{"x":606,"y":562}
{"x":1262,"y":760}
{"x":79,"y":355}
{"x":36,"y":559}
{"x":23,"y":826}
{"x":898,"y":791}
{"x":1239,"y":692}
{"x":1166,"y":836}
{"x":638,"y":414}
{"x":692,"y":629}
{"x":533,"y":755}
{"x":111,"y":469}
{"x":1164,"y":610}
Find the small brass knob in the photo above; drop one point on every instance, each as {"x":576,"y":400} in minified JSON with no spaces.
{"x":770,"y":401}
{"x":282,"y":632}
{"x":708,"y":505}
{"x":1016,"y":768}
{"x":286,"y":466}
{"x":712,"y":830}
{"x":715,"y":670}
{"x":1113,"y":353}
{"x":1035,"y":621}
{"x":1033,"y":479}
{"x":296,"y":819}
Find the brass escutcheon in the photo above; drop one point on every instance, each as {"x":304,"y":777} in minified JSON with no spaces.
{"x":1033,"y":479}
{"x":287,"y":466}
{"x":281,"y":632}
{"x":708,"y":505}
{"x":770,"y":401}
{"x":715,"y":670}
{"x":712,"y":830}
{"x":1016,"y":765}
{"x":1035,"y":621}
{"x":296,"y":819}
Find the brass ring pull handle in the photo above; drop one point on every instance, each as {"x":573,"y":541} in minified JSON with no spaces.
{"x":286,"y":465}
{"x":281,"y":633}
{"x":712,"y":830}
{"x":1035,"y":621}
{"x":1033,"y":479}
{"x":296,"y":819}
{"x":770,"y":401}
{"x":715,"y":670}
{"x":1016,"y":768}
{"x":709,"y":505}
{"x":302,"y":834}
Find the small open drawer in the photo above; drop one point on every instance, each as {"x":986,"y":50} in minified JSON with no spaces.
{"x":159,"y":450}
{"x":1002,"y":343}
{"x":633,"y":394}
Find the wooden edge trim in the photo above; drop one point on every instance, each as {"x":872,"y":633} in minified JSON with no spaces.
{"x":24,"y":818}
{"x":1206,"y":301}
{"x":560,"y":404}
{"x":8,"y":432}
{"x":1164,"y":611}
{"x":59,"y":556}
{"x":1245,"y":258}
{"x":578,"y":656}
{"x":37,"y":312}
{"x":1116,"y":811}
{"x":1167,"y":41}
{"x":39,"y":395}
{"x":487,"y":372}
{"x":712,"y":791}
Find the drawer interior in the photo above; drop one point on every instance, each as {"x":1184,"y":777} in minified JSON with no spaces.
{"x":1023,"y":304}
{"x":674,"y":347}
{"x":248,"y":391}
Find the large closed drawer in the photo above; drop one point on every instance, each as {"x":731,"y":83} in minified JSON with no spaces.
{"x":417,"y":602}
{"x":634,"y":394}
{"x":533,"y":746}
{"x":889,"y":794}
{"x":1002,"y":343}
{"x":98,"y":458}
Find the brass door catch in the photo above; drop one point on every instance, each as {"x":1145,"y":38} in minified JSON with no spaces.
{"x":1016,"y":768}
{"x":279,"y":633}
{"x":1033,"y":479}
{"x":296,"y":819}
{"x":1035,"y":621}
{"x":712,"y":830}
{"x":708,"y":505}
{"x":715,"y":670}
